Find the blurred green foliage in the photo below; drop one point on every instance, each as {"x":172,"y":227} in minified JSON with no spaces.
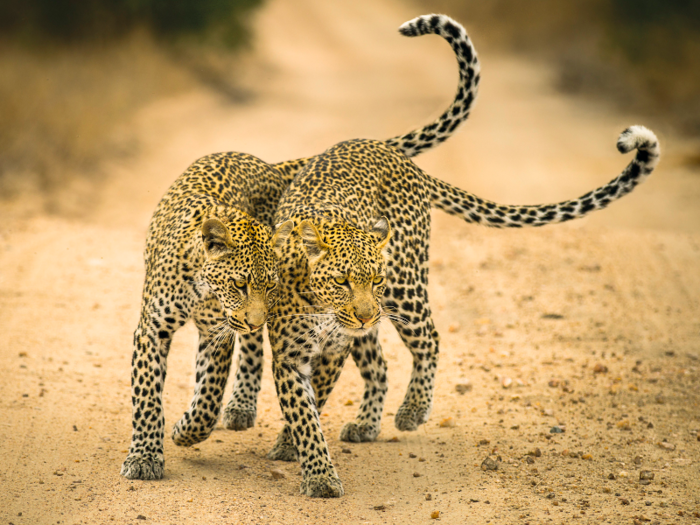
{"x":645,"y":54}
{"x":40,"y":22}
{"x":646,"y":29}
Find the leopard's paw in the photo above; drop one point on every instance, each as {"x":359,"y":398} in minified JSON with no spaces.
{"x":187,"y":433}
{"x":239,"y":418}
{"x":322,"y":486}
{"x":143,"y":466}
{"x":359,"y":432}
{"x":410,"y":416}
{"x":283,"y":451}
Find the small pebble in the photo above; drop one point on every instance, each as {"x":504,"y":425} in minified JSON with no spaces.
{"x":624,"y":501}
{"x":416,"y":474}
{"x":277,"y":474}
{"x":667,"y":446}
{"x":411,"y":455}
{"x":346,"y":451}
{"x":435,"y":514}
{"x":623,"y":474}
{"x":428,"y":497}
{"x":489,"y":464}
{"x":507,"y":382}
{"x":464,"y":387}
{"x":611,"y":476}
{"x":448,"y":422}
{"x":548,"y":412}
{"x":646,"y":477}
{"x":624,"y":424}
{"x":551,"y":495}
{"x":600,"y":369}
{"x":140,"y":517}
{"x":556,"y":430}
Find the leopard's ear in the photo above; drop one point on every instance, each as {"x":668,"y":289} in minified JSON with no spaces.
{"x":313,"y":243}
{"x":216,"y":238}
{"x":282,"y":232}
{"x":381,"y":231}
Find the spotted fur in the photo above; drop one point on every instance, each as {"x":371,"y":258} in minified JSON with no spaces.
{"x":342,"y":269}
{"x":208,"y":258}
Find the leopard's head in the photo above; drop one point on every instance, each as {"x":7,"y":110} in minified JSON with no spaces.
{"x":347,"y":268}
{"x":239,"y":268}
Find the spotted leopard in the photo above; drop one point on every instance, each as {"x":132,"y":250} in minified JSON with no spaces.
{"x":208,"y":258}
{"x":352,"y":245}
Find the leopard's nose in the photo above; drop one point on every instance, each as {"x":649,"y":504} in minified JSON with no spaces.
{"x":362,"y":319}
{"x":254,"y":327}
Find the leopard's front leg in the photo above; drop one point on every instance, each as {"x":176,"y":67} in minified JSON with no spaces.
{"x":241,"y":410}
{"x":216,"y":342}
{"x":291,"y":369}
{"x":367,"y":353}
{"x":148,"y":367}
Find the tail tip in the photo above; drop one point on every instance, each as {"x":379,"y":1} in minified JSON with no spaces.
{"x":413,"y":27}
{"x":636,"y":137}
{"x":432,"y":23}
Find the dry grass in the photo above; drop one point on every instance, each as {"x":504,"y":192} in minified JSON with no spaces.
{"x":61,"y":111}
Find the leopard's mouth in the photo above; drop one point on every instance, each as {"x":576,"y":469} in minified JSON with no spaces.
{"x":356,"y":328}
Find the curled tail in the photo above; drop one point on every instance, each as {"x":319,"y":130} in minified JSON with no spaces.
{"x":412,"y":143}
{"x":430,"y":135}
{"x":476,"y":210}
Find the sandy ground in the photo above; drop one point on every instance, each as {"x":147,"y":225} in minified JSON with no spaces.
{"x":592,"y":327}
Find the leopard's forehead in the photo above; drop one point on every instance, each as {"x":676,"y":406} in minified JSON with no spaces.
{"x":252,"y":259}
{"x":353,"y":252}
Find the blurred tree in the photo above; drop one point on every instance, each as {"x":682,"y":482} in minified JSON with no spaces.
{"x":82,"y":21}
{"x":645,"y":53}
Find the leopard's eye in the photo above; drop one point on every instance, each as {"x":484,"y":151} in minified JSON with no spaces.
{"x":271,"y":285}
{"x":379,"y":279}
{"x":239,"y":284}
{"x":343,"y":280}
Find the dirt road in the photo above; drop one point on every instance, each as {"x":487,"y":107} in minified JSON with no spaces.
{"x":592,"y":327}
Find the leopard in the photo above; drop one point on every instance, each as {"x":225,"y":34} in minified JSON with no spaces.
{"x":352,"y":244}
{"x":209,"y":259}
